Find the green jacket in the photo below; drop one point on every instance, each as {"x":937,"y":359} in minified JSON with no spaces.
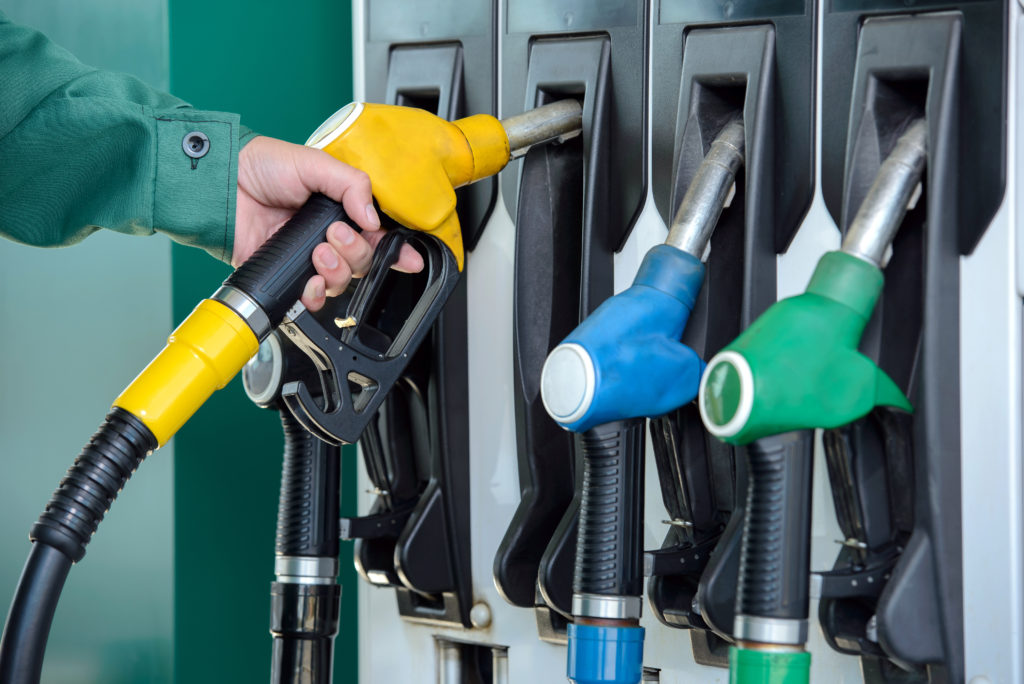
{"x":83,"y":149}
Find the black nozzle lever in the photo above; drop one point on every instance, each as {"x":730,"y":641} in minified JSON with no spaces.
{"x":361,"y":364}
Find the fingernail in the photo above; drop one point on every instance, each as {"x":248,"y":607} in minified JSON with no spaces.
{"x":344,"y":235}
{"x":371,"y":216}
{"x":319,"y":291}
{"x":328,"y":258}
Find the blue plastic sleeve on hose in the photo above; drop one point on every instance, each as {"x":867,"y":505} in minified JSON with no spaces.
{"x":641,"y":368}
{"x":605,"y":654}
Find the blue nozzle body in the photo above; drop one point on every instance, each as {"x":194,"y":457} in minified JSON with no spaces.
{"x":626,"y":360}
{"x":605,"y":655}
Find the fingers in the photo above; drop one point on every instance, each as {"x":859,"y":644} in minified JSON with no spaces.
{"x":345,"y":255}
{"x":315,"y":293}
{"x":321,"y":172}
{"x":351,"y":247}
{"x":334,"y":269}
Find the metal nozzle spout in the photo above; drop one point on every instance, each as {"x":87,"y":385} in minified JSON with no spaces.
{"x":883,"y":208}
{"x":706,"y":197}
{"x":559,"y":121}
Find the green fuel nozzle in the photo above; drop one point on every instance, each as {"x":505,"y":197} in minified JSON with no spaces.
{"x":798,"y":365}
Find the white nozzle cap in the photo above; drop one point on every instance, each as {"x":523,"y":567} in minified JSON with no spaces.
{"x":744,"y":389}
{"x":334,"y":126}
{"x":567,"y":383}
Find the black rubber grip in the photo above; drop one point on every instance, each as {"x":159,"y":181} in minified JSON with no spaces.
{"x":303,"y":620}
{"x":277,"y":273}
{"x":92,"y":483}
{"x":609,"y":545}
{"x":307,"y":514}
{"x":774,"y":571}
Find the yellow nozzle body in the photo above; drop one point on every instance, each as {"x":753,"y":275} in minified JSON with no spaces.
{"x":201,"y":356}
{"x":416,"y":160}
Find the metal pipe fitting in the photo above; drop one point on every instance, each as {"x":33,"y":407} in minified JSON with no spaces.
{"x":605,"y":607}
{"x":559,"y":121}
{"x":883,"y":208}
{"x":706,"y":197}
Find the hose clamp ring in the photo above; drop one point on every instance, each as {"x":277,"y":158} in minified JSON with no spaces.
{"x":767,"y":630}
{"x":606,"y":607}
{"x":246,"y":307}
{"x":306,"y":569}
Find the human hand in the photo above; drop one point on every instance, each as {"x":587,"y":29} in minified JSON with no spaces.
{"x":275,"y":178}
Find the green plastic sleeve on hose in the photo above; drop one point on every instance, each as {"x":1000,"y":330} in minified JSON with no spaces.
{"x":747,"y":666}
{"x":797,"y":366}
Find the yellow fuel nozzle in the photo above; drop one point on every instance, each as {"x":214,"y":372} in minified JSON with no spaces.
{"x":415,"y":159}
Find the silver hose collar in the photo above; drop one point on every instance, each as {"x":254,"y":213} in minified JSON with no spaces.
{"x":246,"y":307}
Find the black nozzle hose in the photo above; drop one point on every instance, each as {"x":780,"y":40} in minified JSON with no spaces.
{"x":274,"y":277}
{"x":307,"y":513}
{"x":774,"y":571}
{"x":61,"y":535}
{"x":304,"y":621}
{"x":304,"y":617}
{"x":28,"y":622}
{"x":609,"y":545}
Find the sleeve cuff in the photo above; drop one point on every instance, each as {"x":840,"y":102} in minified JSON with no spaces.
{"x":196,"y":180}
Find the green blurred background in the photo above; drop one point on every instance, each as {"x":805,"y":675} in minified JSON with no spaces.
{"x":175,"y":586}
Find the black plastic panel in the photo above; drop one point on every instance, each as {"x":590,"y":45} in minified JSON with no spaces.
{"x":896,"y":478}
{"x":689,"y":11}
{"x":704,"y":75}
{"x":541,"y":16}
{"x":399,"y":21}
{"x":789,"y":177}
{"x":573,"y":206}
{"x":981,"y":101}
{"x":607,"y":70}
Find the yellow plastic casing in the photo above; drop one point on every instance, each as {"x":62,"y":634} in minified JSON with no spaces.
{"x":415,"y":161}
{"x":201,"y":356}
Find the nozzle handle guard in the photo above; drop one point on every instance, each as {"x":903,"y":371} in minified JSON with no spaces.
{"x":276,"y":274}
{"x":361,"y":365}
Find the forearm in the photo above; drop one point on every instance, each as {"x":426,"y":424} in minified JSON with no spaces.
{"x":84,"y":149}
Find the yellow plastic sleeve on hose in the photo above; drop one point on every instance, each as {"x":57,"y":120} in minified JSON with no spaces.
{"x":489,"y":143}
{"x":201,"y":356}
{"x":415,"y":161}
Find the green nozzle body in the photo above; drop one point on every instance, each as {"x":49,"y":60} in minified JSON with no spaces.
{"x":750,"y":666}
{"x":797,"y":366}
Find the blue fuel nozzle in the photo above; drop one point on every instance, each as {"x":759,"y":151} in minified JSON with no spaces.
{"x":626,"y":360}
{"x":605,"y":655}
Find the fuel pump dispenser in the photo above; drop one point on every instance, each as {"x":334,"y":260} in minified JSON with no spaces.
{"x":754,"y":60}
{"x":623,"y":363}
{"x":797,"y":368}
{"x":224,"y":332}
{"x":897,"y":480}
{"x":415,"y":536}
{"x":573,"y":207}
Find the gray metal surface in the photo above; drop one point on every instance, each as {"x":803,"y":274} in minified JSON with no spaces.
{"x":880,"y":214}
{"x":559,"y":121}
{"x":764,"y":630}
{"x":305,"y":569}
{"x":607,"y":607}
{"x":243,"y":305}
{"x":708,"y":194}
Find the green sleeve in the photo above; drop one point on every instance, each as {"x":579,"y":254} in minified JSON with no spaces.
{"x":83,"y":149}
